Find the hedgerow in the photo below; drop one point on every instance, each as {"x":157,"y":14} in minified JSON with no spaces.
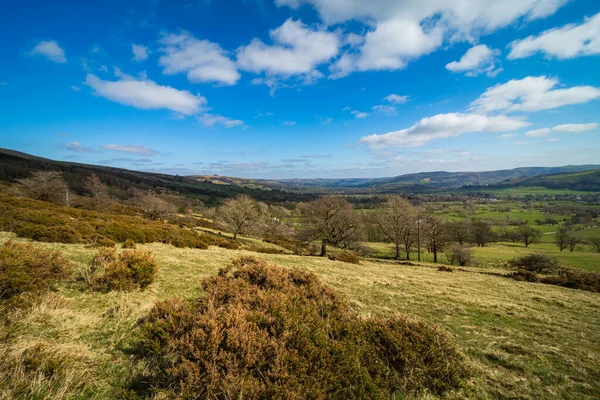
{"x":263,"y":332}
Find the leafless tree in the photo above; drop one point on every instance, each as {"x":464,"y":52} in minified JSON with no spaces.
{"x":459,"y":231}
{"x":574,"y":239}
{"x":481,"y":232}
{"x":153,"y":206}
{"x":435,"y":233}
{"x":97,"y":189}
{"x":46,"y":186}
{"x":528,"y":234}
{"x":562,"y":238}
{"x":397,"y":219}
{"x":332,"y":220}
{"x":595,"y":241}
{"x":241,"y":214}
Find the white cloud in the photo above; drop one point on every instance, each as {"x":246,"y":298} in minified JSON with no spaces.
{"x":521,"y":143}
{"x":290,"y":123}
{"x":443,"y":126}
{"x":76,"y":88}
{"x":212,"y":119}
{"x":146,"y":94}
{"x":359,"y":114}
{"x":140,"y":52}
{"x":538,"y":132}
{"x":478,"y":59}
{"x":552,"y":140}
{"x":49,"y":49}
{"x":532,"y":94}
{"x":132,"y":149}
{"x":575,"y":128}
{"x":397,"y":99}
{"x":297,"y":50}
{"x":569,"y":41}
{"x":77,"y":147}
{"x":385,"y":109}
{"x":202,"y":60}
{"x":400,"y":31}
{"x":507,"y":136}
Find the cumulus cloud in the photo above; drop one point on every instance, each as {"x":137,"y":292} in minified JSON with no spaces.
{"x":297,"y":49}
{"x":359,"y":114}
{"x":572,"y":40}
{"x":145,"y":94}
{"x":211,"y":120}
{"x":532,"y":94}
{"x":49,"y":49}
{"x":132,"y":149}
{"x":201,"y":60}
{"x":443,"y":126}
{"x":400,"y":31}
{"x":396,"y":99}
{"x":477,"y":60}
{"x":140,"y":52}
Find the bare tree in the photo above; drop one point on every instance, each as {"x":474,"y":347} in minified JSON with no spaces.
{"x":436,"y":235}
{"x":332,"y":220}
{"x":46,"y":186}
{"x":241,"y":214}
{"x":459,"y":231}
{"x":574,"y":239}
{"x":397,"y":219}
{"x":481,"y":232}
{"x":595,"y":241}
{"x":528,"y":234}
{"x":153,"y":206}
{"x":562,"y":238}
{"x":97,"y":189}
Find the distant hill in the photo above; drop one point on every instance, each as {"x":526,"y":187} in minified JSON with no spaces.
{"x":582,"y":181}
{"x":15,"y":165}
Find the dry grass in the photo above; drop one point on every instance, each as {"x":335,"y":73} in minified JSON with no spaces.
{"x":523,"y":340}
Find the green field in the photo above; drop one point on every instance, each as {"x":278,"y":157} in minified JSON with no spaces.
{"x":522,"y":340}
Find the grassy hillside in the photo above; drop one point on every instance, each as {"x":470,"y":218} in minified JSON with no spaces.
{"x":15,"y":165}
{"x":522,"y":340}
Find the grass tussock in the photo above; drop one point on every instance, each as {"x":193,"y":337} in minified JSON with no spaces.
{"x":125,"y":271}
{"x":264,"y":332}
{"x":28,"y":268}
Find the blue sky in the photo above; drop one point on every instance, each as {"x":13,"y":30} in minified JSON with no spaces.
{"x":302,"y":88}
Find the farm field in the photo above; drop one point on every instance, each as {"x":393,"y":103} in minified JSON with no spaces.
{"x":522,"y":340}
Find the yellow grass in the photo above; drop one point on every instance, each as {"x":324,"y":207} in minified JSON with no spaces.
{"x":523,"y":340}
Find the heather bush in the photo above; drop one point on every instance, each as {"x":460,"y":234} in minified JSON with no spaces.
{"x":263,"y":332}
{"x":263,"y":249}
{"x":129,"y":244}
{"x":535,"y":263}
{"x":295,"y":246}
{"x":28,"y":268}
{"x":445,"y":269}
{"x":345,"y":256}
{"x":125,"y":271}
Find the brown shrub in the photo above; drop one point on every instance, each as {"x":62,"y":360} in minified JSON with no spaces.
{"x":445,"y":269}
{"x":96,"y":241}
{"x":263,"y":332}
{"x":28,"y":268}
{"x":263,"y":249}
{"x":129,"y":244}
{"x":459,"y":255}
{"x":345,"y":256}
{"x":295,"y":246}
{"x":126,"y":271}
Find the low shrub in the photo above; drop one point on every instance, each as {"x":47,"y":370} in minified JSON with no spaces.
{"x":186,"y":238}
{"x":581,"y":280}
{"x":262,"y":332}
{"x":345,"y":256}
{"x":445,"y":269}
{"x":459,"y":255}
{"x":535,"y":263}
{"x":50,"y":234}
{"x":263,"y":249}
{"x":28,"y":268}
{"x":126,"y":271}
{"x":129,"y":244}
{"x":221,"y":242}
{"x":96,"y":241}
{"x":525,"y":275}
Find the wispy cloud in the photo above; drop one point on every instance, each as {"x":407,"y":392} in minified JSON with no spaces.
{"x":77,"y":147}
{"x":49,"y":49}
{"x":132,"y":149}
